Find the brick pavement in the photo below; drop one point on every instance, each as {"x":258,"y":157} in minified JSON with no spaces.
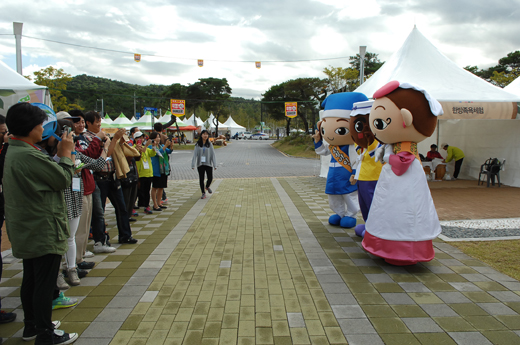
{"x":256,"y":262}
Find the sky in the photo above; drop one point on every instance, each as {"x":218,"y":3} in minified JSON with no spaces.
{"x":230,"y":35}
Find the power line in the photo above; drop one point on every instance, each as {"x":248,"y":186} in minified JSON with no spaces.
{"x":174,"y":57}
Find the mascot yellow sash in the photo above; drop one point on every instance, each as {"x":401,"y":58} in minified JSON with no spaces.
{"x":341,"y":157}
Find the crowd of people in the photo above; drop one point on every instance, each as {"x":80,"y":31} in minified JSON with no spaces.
{"x":69,"y":176}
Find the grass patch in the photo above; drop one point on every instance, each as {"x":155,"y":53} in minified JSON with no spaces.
{"x":501,"y":255}
{"x":297,"y":145}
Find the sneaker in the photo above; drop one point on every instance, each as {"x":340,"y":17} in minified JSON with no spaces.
{"x":61,"y":283}
{"x":72,"y":273}
{"x":62,"y":338}
{"x":134,"y":213}
{"x":203,"y":196}
{"x":88,"y":254}
{"x":29,"y":331}
{"x":209,"y":190}
{"x":102,"y":248}
{"x":63,"y":302}
{"x":165,"y":201}
{"x":6,"y":317}
{"x":129,"y":240}
{"x":148,"y":210}
{"x":86,"y":265}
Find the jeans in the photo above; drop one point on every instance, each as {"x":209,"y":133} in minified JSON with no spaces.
{"x":39,"y":289}
{"x":112,"y":190}
{"x":98,"y":217}
{"x":209,"y":171}
{"x":130,"y":195}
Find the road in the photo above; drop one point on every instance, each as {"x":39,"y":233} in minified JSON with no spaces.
{"x":246,"y":158}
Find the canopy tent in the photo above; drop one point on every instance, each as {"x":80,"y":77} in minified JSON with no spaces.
{"x":122,"y":122}
{"x":463,"y":96}
{"x":15,"y":88}
{"x":233,"y":126}
{"x":514,"y":87}
{"x":133,"y":119}
{"x":145,"y":122}
{"x":194,"y":121}
{"x":211,"y":125}
{"x":420,"y":62}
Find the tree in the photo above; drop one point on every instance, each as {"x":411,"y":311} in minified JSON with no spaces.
{"x":372,"y":63}
{"x":505,"y":66}
{"x":502,"y":79}
{"x":56,"y":80}
{"x":273,"y":101}
{"x":213,"y":93}
{"x":341,"y":79}
{"x":310,"y":92}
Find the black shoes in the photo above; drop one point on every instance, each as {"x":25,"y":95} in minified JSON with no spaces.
{"x":132,"y":219}
{"x":157,"y":209}
{"x":6,"y":317}
{"x":86,"y":265}
{"x":129,"y":240}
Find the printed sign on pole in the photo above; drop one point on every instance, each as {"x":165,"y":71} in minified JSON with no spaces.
{"x":137,"y":57}
{"x":258,"y":64}
{"x":200,"y":62}
{"x":291,"y":109}
{"x":177,"y":107}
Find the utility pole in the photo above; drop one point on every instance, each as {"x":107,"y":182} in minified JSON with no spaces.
{"x":134,"y":105}
{"x":362,"y":51}
{"x":17,"y":28}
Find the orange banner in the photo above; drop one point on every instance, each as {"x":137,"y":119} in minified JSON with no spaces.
{"x":177,"y":107}
{"x":291,"y":109}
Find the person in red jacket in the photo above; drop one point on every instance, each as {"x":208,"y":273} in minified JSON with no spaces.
{"x":433,"y":153}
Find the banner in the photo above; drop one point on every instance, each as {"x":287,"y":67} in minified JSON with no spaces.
{"x":258,"y":64}
{"x":137,"y":57}
{"x":177,"y":107}
{"x":200,"y":62}
{"x":291,"y":109}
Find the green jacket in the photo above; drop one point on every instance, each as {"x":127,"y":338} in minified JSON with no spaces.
{"x":454,"y":153}
{"x":35,"y":208}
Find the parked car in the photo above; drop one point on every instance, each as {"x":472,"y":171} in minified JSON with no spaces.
{"x":259,"y":136}
{"x":244,"y":135}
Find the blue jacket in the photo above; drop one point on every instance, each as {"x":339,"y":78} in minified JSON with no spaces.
{"x":155,"y":161}
{"x":338,"y":178}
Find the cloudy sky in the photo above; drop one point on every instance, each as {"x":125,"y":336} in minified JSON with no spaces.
{"x":231,"y":34}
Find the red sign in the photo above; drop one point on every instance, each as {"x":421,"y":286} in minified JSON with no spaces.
{"x":200,"y":62}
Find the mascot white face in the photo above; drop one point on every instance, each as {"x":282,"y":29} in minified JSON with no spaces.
{"x":335,"y":131}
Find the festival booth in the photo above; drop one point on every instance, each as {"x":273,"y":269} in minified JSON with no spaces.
{"x":479,"y":117}
{"x":145,"y":122}
{"x":209,"y":124}
{"x":233,"y":126}
{"x":15,"y":88}
{"x":122,"y":122}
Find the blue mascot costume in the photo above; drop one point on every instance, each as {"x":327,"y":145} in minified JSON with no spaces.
{"x":333,"y":137}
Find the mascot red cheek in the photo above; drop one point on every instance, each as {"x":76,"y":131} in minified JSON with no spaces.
{"x":402,"y":221}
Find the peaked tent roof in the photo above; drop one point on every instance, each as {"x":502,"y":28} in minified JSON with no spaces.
{"x":230,"y":123}
{"x":514,"y":87}
{"x":122,"y":121}
{"x":194,"y":121}
{"x":10,"y":80}
{"x":418,"y":61}
{"x":211,"y":125}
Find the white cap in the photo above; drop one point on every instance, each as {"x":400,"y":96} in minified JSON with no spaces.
{"x":361,"y":108}
{"x":138,"y":134}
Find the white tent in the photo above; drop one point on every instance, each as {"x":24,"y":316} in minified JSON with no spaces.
{"x":420,"y":62}
{"x":133,"y":119}
{"x":15,"y":88}
{"x":145,"y":122}
{"x":492,"y":132}
{"x":514,"y":87}
{"x":221,"y":126}
{"x":194,"y":121}
{"x":122,"y":122}
{"x":233,"y":126}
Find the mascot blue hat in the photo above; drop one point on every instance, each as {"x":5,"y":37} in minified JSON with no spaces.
{"x":341,"y":104}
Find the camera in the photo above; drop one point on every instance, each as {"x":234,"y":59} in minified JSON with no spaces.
{"x":66,"y":129}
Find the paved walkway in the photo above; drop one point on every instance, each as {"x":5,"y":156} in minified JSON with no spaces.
{"x":256,"y":262}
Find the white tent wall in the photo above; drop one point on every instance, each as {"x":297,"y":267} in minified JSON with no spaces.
{"x":483,"y":139}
